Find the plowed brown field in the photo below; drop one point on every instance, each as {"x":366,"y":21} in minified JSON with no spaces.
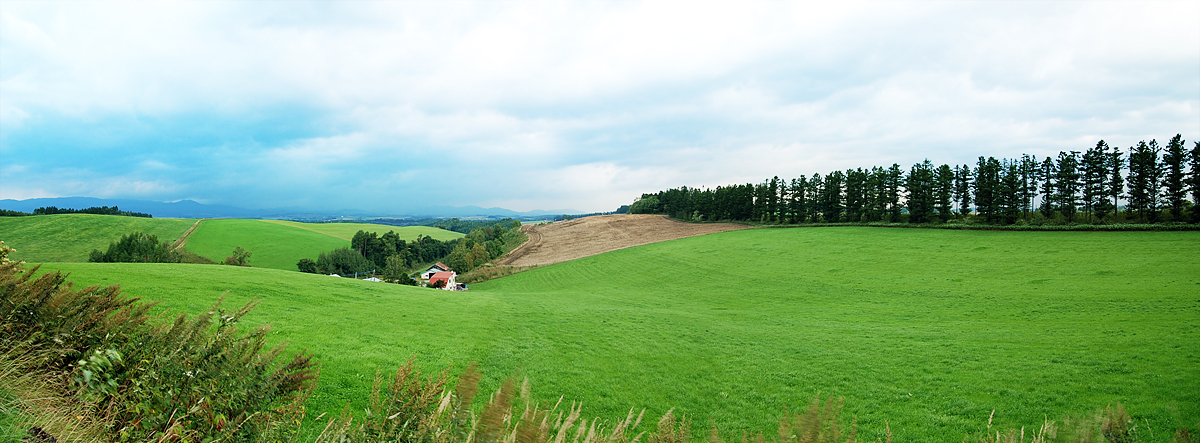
{"x":583,"y":237}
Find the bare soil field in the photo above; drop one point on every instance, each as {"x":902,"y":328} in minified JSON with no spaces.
{"x":583,"y":237}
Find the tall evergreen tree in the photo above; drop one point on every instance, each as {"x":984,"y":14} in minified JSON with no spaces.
{"x":1174,"y":181}
{"x":1115,"y":186}
{"x":892,"y":182}
{"x":773,"y":200}
{"x":1008,"y":195}
{"x":797,"y":201}
{"x":1095,"y":171}
{"x":832,"y":201}
{"x":815,"y":186}
{"x":1195,"y":182}
{"x":962,"y":188}
{"x":943,"y":196}
{"x":876,"y":191}
{"x":1046,"y":175}
{"x":987,"y":183}
{"x":1145,"y":176}
{"x":1028,"y":168}
{"x":856,"y":195}
{"x":920,"y":186}
{"x":1066,"y":183}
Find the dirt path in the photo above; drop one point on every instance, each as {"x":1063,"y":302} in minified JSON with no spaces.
{"x":583,"y":237}
{"x":182,"y":240}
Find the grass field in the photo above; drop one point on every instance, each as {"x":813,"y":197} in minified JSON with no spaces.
{"x":928,"y":329}
{"x":280,"y":244}
{"x":346,"y":231}
{"x":71,"y":237}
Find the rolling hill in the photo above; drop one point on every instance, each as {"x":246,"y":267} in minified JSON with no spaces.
{"x":71,"y":237}
{"x":280,"y":244}
{"x":930,"y":330}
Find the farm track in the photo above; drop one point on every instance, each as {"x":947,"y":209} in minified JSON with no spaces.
{"x":584,"y":237}
{"x":182,"y":240}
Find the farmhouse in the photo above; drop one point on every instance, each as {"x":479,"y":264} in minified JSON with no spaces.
{"x":439,"y":267}
{"x":447,"y":276}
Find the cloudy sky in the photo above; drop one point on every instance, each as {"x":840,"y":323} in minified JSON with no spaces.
{"x":561,"y":105}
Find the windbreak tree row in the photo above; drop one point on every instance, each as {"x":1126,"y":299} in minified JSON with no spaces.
{"x":1148,"y":184}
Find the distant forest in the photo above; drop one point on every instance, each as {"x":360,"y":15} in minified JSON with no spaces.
{"x":1149,"y":184}
{"x":100,"y":210}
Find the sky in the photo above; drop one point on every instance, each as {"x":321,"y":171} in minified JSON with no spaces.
{"x":387,"y":106}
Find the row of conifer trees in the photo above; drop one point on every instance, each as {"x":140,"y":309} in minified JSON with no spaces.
{"x":1147,"y":184}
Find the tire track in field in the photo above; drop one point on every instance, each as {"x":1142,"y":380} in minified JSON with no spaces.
{"x":182,"y":240}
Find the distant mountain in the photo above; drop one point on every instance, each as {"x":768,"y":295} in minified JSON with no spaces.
{"x":192,"y":209}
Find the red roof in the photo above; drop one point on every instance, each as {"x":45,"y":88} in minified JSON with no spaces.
{"x":441,"y":266}
{"x":444,"y":275}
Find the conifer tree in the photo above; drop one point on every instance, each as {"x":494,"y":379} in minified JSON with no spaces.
{"x":1008,"y":195}
{"x":1145,"y":176}
{"x":944,"y":193}
{"x":1115,"y":186}
{"x":1028,"y":169}
{"x":987,"y":183}
{"x":962,"y":188}
{"x":1066,"y":183}
{"x":1046,"y":175}
{"x":920,"y":186}
{"x":892,"y":183}
{"x":1174,"y":187}
{"x":796,"y":200}
{"x":1095,"y":171}
{"x":876,"y":190}
{"x":854,"y":195}
{"x":815,"y":184}
{"x":1195,"y":182}
{"x":832,"y":201}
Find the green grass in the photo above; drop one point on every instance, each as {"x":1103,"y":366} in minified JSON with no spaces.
{"x":928,"y":329}
{"x":346,"y":231}
{"x":280,"y":244}
{"x":71,"y":237}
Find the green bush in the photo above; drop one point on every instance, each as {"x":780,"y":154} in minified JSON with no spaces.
{"x":136,"y":247}
{"x":149,"y":379}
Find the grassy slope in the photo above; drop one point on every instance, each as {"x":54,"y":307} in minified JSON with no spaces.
{"x":280,"y":244}
{"x":71,"y":237}
{"x":346,"y":231}
{"x":928,"y":329}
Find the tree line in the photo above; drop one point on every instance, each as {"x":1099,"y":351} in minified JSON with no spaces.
{"x":99,"y":210}
{"x":1148,"y":184}
{"x":393,"y":257}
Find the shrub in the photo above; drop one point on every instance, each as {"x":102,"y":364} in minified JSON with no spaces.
{"x":146,"y":379}
{"x":307,"y":265}
{"x":136,"y":247}
{"x":240,"y":257}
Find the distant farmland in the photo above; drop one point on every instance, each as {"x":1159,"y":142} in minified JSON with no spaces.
{"x":280,"y":244}
{"x":928,"y":329}
{"x":70,"y":237}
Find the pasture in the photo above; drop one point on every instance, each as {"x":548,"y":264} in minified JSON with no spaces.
{"x":928,"y":329}
{"x":71,"y":237}
{"x":280,"y":244}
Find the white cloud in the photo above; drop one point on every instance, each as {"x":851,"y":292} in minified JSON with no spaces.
{"x":586,"y":102}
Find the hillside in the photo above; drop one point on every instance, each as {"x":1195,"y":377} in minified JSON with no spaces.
{"x":928,"y":329}
{"x":71,"y":237}
{"x":588,"y":236}
{"x":280,"y":244}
